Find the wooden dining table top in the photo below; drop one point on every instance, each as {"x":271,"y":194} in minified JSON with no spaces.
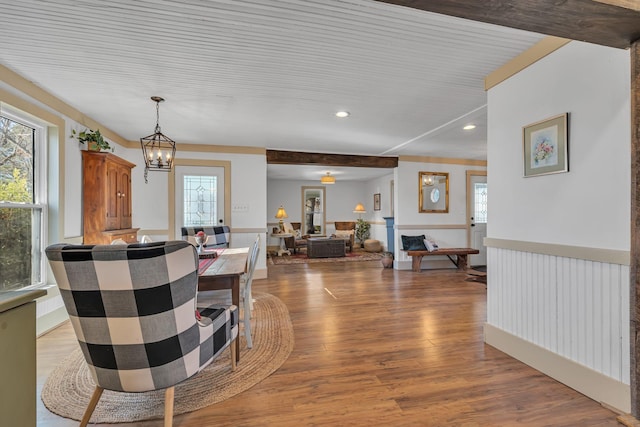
{"x":230,"y":262}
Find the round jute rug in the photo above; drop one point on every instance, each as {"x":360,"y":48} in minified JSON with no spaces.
{"x":68,"y":389}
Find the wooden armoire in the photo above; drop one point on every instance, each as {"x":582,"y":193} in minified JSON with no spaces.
{"x":106,"y":198}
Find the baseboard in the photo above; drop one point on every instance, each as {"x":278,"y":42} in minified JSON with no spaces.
{"x":595,"y":385}
{"x":260,"y":273}
{"x":51,"y":321}
{"x":426,"y":264}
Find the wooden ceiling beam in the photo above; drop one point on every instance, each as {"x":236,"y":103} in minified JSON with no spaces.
{"x":304,"y":158}
{"x":611,"y":23}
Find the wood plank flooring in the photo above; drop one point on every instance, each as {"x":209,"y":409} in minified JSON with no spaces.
{"x":380,"y":347}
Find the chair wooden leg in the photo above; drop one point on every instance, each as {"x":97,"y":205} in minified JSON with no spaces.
{"x":232,"y":347}
{"x":168,"y":407}
{"x":91,"y":406}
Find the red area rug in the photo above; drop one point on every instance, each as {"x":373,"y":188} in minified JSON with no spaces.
{"x":301,"y":258}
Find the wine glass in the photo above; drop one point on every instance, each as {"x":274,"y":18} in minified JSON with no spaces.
{"x":201,"y":240}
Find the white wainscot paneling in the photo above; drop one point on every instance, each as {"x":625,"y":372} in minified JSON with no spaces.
{"x":576,"y":308}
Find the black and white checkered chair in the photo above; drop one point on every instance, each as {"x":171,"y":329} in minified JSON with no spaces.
{"x":133,"y":311}
{"x":218,"y":236}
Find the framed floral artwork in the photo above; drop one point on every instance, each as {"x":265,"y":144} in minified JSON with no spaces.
{"x":545,"y":146}
{"x":376,"y":202}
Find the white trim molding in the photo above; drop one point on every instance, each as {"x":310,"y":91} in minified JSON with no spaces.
{"x":611,"y":256}
{"x":595,"y":385}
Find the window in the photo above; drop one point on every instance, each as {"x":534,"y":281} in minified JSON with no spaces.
{"x":22,"y":201}
{"x":200,"y":200}
{"x":480,"y":204}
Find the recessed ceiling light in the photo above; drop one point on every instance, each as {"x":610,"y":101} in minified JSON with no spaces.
{"x":469,"y":127}
{"x":342,"y":114}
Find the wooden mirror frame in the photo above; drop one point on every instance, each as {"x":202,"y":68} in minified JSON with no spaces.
{"x":437,"y":186}
{"x":309,"y":227}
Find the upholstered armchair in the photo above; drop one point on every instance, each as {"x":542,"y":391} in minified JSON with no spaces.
{"x":346,"y":230}
{"x":133,"y":309}
{"x":298,"y":240}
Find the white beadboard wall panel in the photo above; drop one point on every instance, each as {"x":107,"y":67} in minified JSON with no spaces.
{"x":576,"y":308}
{"x":256,"y":62}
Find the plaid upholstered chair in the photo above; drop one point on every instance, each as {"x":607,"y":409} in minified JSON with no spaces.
{"x":218,"y":236}
{"x":133,"y":310}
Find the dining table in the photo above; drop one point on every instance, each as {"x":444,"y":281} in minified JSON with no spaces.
{"x":224,"y":272}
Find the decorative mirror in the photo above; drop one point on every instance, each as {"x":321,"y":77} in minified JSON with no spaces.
{"x":313,"y":211}
{"x":433,"y":189}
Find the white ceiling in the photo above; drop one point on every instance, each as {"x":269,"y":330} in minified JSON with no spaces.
{"x":266,"y":74}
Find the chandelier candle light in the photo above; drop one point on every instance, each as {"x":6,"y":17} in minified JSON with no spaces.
{"x":158,"y":149}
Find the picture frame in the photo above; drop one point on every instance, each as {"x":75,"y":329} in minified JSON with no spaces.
{"x":376,"y":202}
{"x":545,"y":146}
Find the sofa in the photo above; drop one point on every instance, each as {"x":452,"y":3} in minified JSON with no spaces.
{"x":346,"y":230}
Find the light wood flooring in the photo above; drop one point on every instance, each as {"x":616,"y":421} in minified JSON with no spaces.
{"x":379,"y":347}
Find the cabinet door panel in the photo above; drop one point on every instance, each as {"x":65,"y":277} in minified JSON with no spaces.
{"x":112,"y":198}
{"x":125,"y":198}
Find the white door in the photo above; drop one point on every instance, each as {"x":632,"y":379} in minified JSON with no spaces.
{"x":199,"y":196}
{"x":477,"y":194}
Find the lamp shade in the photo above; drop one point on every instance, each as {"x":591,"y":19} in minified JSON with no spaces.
{"x":281,"y":213}
{"x":359,"y":208}
{"x":328,"y":179}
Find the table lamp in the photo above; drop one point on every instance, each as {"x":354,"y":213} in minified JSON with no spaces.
{"x":359,"y":209}
{"x":281,"y":214}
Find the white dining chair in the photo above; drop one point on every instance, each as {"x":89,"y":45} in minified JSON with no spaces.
{"x":206,"y":298}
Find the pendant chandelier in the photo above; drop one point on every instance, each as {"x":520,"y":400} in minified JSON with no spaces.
{"x":328,"y":179}
{"x":158,"y":149}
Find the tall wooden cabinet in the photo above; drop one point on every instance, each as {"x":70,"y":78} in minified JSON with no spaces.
{"x":106,"y":198}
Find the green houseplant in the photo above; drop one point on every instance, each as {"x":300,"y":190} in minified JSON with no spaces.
{"x":362,"y":231}
{"x":94,"y":139}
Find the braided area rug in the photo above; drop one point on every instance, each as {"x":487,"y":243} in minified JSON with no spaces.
{"x":68,"y":389}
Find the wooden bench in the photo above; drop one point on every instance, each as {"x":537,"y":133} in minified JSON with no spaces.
{"x":460,"y":253}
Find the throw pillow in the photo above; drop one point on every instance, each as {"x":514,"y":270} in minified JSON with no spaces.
{"x":413,"y":243}
{"x":346,"y":234}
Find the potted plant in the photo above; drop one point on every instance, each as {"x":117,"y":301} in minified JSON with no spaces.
{"x":362,"y":231}
{"x":94,"y":139}
{"x":387,"y":259}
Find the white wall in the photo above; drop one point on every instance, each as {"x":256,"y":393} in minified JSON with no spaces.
{"x":341,"y":198}
{"x":558,"y":281}
{"x":447,"y":229}
{"x":382,"y":186}
{"x":590,"y":205}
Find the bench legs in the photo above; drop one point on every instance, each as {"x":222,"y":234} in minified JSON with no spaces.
{"x":460,"y":262}
{"x":416,"y":260}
